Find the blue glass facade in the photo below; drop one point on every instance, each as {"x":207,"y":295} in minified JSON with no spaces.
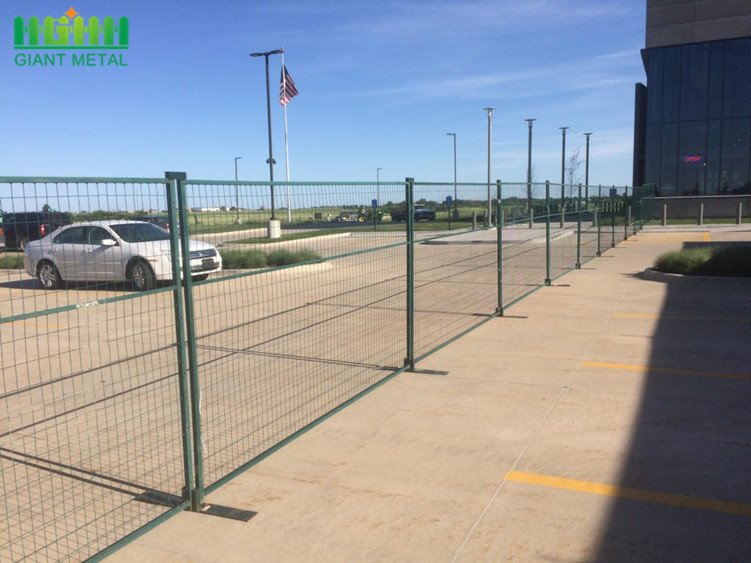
{"x":697,"y":118}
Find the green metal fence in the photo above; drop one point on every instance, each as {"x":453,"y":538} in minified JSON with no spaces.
{"x":120,"y":408}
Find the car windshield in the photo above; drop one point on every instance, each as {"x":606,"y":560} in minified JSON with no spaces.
{"x":140,"y":232}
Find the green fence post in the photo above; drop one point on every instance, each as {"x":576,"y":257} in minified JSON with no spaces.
{"x":499,"y":244}
{"x":547,"y":232}
{"x":599,"y":220}
{"x":190,"y":327}
{"x":612,"y":216}
{"x":182,"y":375}
{"x":579,"y":229}
{"x":626,"y":214}
{"x":409,"y":360}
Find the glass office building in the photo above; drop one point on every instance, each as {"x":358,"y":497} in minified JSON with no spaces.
{"x":693,"y":119}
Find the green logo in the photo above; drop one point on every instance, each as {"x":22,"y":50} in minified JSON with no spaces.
{"x":70,"y":32}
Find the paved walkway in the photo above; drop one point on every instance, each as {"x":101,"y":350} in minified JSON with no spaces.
{"x":605,"y":418}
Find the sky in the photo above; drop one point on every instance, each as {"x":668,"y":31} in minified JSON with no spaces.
{"x":380,"y":84}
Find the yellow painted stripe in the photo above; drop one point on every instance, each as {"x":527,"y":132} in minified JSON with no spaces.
{"x":707,"y":236}
{"x":673,"y":371}
{"x":681,"y":318}
{"x":642,"y":495}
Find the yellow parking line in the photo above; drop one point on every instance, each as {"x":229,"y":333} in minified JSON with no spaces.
{"x":680,"y":318}
{"x":682,"y":501}
{"x":673,"y":371}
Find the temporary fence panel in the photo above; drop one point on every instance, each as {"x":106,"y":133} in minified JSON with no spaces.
{"x":90,"y":421}
{"x":455,"y":270}
{"x":119,"y":407}
{"x":280,"y":347}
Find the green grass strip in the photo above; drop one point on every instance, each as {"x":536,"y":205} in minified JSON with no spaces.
{"x":727,"y":260}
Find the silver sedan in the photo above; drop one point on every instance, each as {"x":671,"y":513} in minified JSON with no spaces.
{"x":113,"y":251}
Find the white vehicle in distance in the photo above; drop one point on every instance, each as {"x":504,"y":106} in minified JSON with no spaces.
{"x":112,"y":251}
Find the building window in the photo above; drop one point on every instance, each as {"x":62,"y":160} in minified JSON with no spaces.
{"x":669,"y":160}
{"x":737,"y":98}
{"x":694,"y":82}
{"x":736,"y":148}
{"x":698,"y":130}
{"x":692,"y":149}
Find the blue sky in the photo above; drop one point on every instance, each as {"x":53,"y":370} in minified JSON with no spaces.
{"x":381,"y":83}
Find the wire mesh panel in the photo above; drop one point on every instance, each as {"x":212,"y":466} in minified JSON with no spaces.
{"x":588,"y":223}
{"x":318,"y":320}
{"x":89,"y":405}
{"x":523,"y":240}
{"x":297,"y":298}
{"x":456,"y":272}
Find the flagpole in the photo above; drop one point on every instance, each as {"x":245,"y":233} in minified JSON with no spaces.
{"x":286,"y":148}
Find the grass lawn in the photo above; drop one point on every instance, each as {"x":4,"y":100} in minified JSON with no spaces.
{"x":11,"y":262}
{"x":711,"y":260}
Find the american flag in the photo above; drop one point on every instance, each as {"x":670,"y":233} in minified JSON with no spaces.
{"x":287,"y":89}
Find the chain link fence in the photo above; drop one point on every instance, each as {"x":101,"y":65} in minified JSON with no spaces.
{"x":157,"y":365}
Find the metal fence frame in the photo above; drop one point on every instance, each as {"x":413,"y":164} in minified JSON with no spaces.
{"x":495,"y":266}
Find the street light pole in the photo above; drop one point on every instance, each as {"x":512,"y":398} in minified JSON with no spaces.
{"x":270,"y":161}
{"x":529,"y":163}
{"x":586,"y":173}
{"x":378,"y":185}
{"x":237,"y":197}
{"x":488,"y":221}
{"x":563,"y":175}
{"x":456,"y":211}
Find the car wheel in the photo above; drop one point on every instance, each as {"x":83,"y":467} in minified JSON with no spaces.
{"x":142,"y":277}
{"x":22,"y":242}
{"x":49,"y":276}
{"x":202,"y":277}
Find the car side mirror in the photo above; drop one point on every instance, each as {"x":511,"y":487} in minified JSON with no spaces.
{"x":109,"y":242}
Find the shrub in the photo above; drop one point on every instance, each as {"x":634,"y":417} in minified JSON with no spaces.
{"x":251,"y":259}
{"x":730,"y":260}
{"x":243,"y":259}
{"x":284,"y":257}
{"x":11,"y":262}
{"x":682,"y":261}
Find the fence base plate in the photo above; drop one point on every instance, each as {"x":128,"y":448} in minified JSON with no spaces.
{"x":172,"y":501}
{"x":429,"y":371}
{"x":227,"y":512}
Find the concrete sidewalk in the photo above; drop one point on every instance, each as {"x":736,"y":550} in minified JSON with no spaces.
{"x":603,"y":418}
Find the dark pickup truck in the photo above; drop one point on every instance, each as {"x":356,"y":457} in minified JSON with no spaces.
{"x":20,"y":228}
{"x":421,"y":213}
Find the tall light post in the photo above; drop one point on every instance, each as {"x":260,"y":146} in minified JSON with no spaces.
{"x":237,"y":197}
{"x":270,"y":161}
{"x":490,"y":137}
{"x":586,"y":173}
{"x":563,"y":175}
{"x":456,"y":211}
{"x":378,"y":185}
{"x":529,"y":163}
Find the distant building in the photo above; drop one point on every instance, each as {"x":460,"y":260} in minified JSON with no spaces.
{"x":692,"y":132}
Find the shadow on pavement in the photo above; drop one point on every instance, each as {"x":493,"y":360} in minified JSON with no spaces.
{"x":692,"y":436}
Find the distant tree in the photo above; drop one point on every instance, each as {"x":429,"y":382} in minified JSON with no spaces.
{"x":46,"y":208}
{"x":533,"y":188}
{"x":573,"y":164}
